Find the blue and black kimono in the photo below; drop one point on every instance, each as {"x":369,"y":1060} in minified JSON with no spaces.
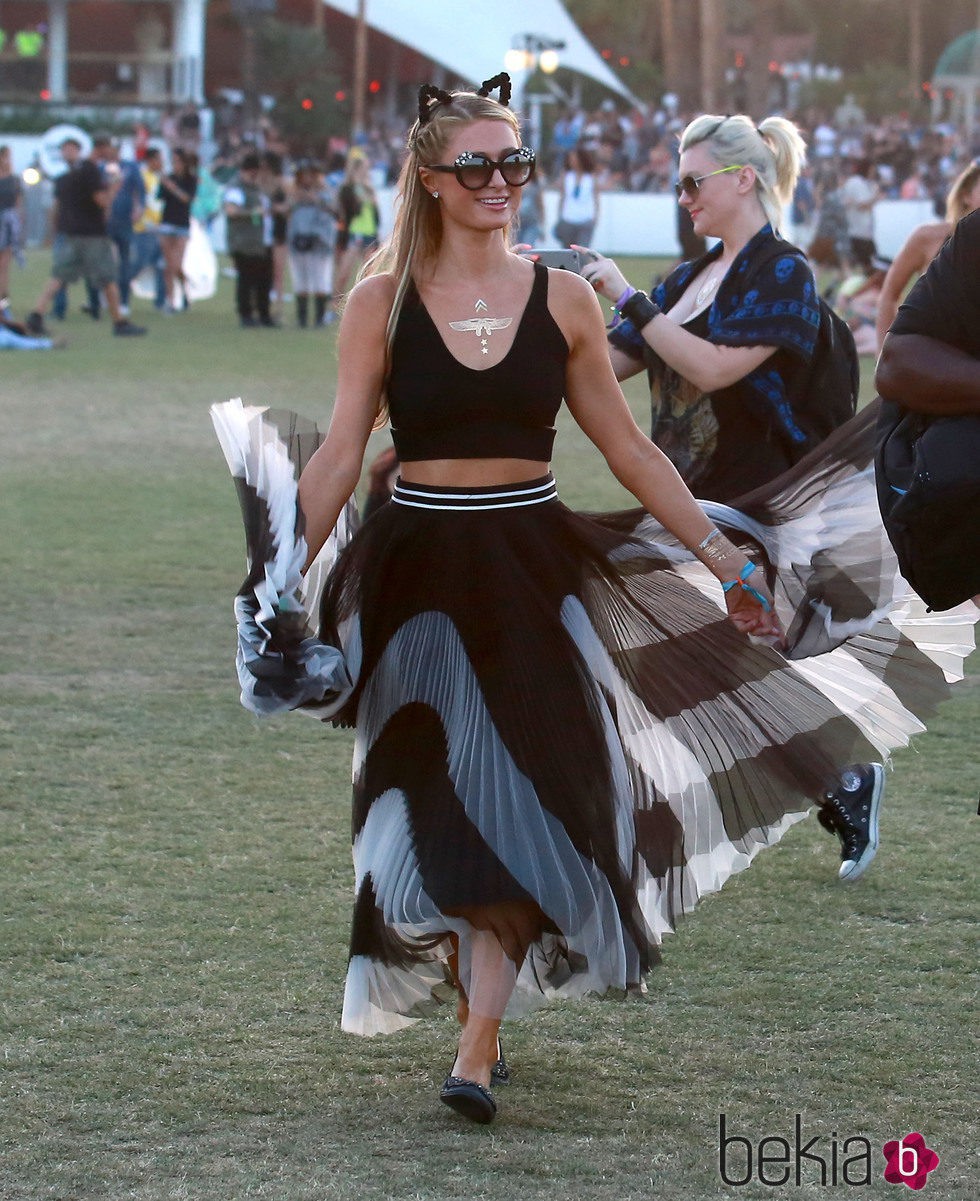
{"x":734,"y":440}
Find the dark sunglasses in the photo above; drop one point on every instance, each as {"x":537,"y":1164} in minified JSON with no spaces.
{"x":474,"y":171}
{"x":690,"y":185}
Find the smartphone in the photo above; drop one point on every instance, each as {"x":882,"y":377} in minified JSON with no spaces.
{"x":562,"y":260}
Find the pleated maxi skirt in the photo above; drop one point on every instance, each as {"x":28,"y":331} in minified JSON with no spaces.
{"x":560,"y":738}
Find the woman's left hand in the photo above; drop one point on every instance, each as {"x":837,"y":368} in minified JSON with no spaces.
{"x":602,"y":273}
{"x":750,"y":615}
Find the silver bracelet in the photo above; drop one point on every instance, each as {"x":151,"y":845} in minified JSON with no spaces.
{"x":719,"y":548}
{"x":712,"y":535}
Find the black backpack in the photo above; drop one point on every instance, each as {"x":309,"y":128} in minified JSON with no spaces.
{"x":927,"y":470}
{"x":824,"y":393}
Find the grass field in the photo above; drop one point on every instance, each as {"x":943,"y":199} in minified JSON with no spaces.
{"x":177,"y":882}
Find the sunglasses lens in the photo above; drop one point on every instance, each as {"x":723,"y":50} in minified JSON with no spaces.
{"x":516,"y":170}
{"x":475,"y":172}
{"x":686,"y":186}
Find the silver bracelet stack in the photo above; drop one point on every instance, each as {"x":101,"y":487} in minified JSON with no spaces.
{"x":714,"y":547}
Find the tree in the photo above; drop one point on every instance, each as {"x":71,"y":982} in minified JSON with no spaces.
{"x":850,"y":34}
{"x":295,"y":66}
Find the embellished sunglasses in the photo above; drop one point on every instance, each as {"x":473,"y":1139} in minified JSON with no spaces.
{"x":474,"y":171}
{"x":690,"y":185}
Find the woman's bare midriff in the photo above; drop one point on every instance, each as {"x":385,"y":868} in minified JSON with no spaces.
{"x":471,"y":473}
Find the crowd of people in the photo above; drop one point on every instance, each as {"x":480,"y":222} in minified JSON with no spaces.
{"x":312,"y":223}
{"x":115,"y":219}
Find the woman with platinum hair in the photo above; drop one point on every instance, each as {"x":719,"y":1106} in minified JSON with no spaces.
{"x":738,"y":324}
{"x":728,"y":358}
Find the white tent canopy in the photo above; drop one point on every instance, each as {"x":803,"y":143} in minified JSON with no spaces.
{"x":470,"y":39}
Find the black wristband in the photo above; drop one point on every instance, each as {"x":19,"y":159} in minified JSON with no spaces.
{"x":640,"y":310}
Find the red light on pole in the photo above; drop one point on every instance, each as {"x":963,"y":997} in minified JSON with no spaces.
{"x":307,"y":103}
{"x":374,"y":86}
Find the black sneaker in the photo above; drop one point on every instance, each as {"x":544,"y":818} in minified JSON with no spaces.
{"x":126,"y":329}
{"x":35,"y":325}
{"x":851,"y":812}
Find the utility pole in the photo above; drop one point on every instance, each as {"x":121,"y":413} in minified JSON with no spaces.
{"x":763,"y":34}
{"x":671,"y":48}
{"x":360,"y":69}
{"x":915,"y":51}
{"x":712,"y":51}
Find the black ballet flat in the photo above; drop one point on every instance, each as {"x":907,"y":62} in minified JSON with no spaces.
{"x":468,"y":1098}
{"x":500,"y":1072}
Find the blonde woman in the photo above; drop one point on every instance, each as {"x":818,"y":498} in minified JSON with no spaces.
{"x":921,"y":247}
{"x":738,"y":329}
{"x":561,"y":741}
{"x":358,"y":221}
{"x":738,"y":323}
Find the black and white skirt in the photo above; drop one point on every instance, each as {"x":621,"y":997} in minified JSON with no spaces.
{"x":554,"y":717}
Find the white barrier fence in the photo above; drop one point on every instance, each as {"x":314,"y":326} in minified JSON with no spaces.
{"x":646,"y":223}
{"x":629,"y":222}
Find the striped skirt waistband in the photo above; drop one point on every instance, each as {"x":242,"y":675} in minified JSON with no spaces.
{"x":497,"y":496}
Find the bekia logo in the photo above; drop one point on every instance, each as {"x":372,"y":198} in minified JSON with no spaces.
{"x":777,"y":1161}
{"x":909,"y":1161}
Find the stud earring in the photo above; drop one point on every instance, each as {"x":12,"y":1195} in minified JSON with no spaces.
{"x":435,"y":195}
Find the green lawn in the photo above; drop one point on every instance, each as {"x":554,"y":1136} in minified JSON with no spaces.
{"x":177,"y":882}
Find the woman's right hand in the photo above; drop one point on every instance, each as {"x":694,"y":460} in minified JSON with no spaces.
{"x":602,"y":273}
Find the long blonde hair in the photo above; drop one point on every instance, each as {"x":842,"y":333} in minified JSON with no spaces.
{"x":956,"y":205}
{"x":416,"y":234}
{"x":774,"y":150}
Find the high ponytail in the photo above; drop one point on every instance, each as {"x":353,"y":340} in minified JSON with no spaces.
{"x":775,"y":150}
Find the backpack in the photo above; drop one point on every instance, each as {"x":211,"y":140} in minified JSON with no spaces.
{"x":824,"y":392}
{"x":927,"y":473}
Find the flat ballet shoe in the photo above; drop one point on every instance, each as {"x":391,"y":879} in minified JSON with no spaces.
{"x":468,"y":1098}
{"x":500,"y":1072}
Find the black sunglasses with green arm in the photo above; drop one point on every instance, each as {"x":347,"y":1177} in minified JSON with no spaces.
{"x":474,"y":171}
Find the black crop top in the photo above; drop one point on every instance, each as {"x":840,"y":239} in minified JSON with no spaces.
{"x":442,"y":410}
